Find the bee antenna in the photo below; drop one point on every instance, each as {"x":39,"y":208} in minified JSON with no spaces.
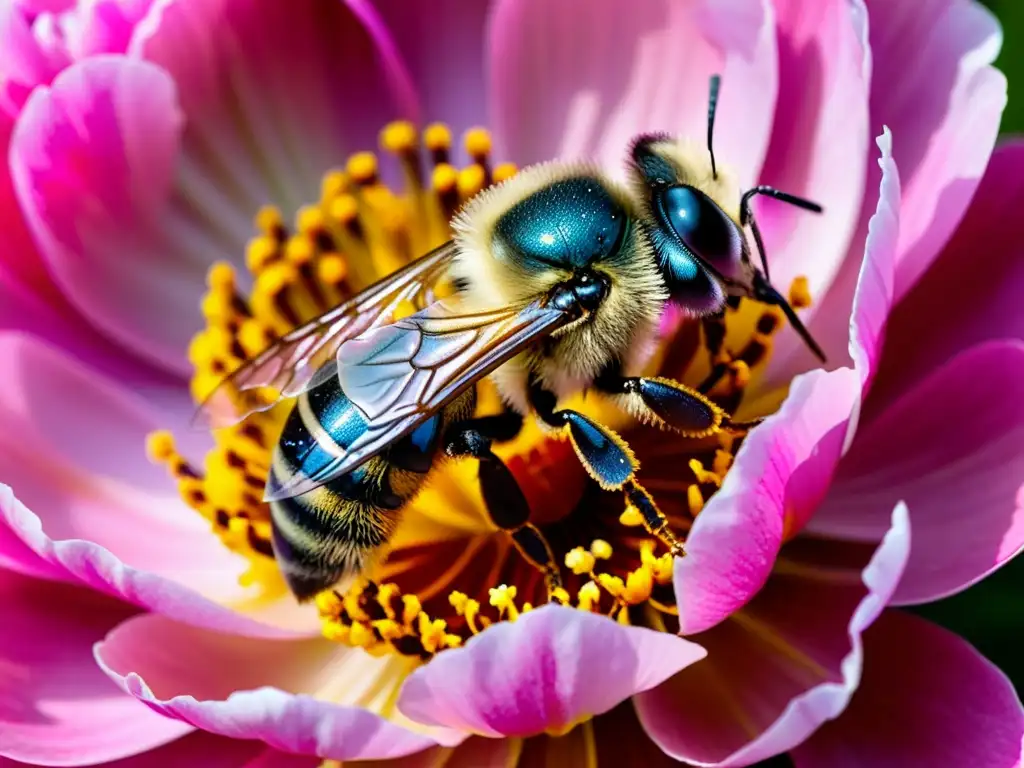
{"x":766,"y":292}
{"x":716,"y":82}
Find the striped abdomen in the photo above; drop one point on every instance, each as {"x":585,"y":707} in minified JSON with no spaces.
{"x":335,"y":530}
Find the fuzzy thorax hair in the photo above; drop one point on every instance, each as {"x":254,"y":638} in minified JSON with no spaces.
{"x":490,"y":278}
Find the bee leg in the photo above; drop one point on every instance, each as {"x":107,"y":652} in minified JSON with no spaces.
{"x":671,"y":404}
{"x":506,"y":505}
{"x":609,"y":461}
{"x":501,"y":427}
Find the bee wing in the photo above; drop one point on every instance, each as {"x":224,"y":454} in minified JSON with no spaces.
{"x":296,"y":362}
{"x":401,"y":374}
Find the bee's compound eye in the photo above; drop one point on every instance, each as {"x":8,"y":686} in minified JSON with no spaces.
{"x":701,"y":225}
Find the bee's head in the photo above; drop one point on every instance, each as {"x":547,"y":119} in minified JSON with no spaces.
{"x":695,"y":216}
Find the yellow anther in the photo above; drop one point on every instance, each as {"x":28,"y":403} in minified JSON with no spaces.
{"x":388,"y":629}
{"x":445,"y":178}
{"x":432,"y":633}
{"x":386,"y":593}
{"x":639,"y":584}
{"x":309,"y":219}
{"x":478,"y":143}
{"x":269,"y":221}
{"x":361,"y":636}
{"x":612,"y":584}
{"x":299,"y":250}
{"x":160,"y":446}
{"x":663,"y":567}
{"x":722,"y":462}
{"x":328,"y":604}
{"x":631,"y":517}
{"x":352,"y":599}
{"x":694,"y":499}
{"x":253,"y":337}
{"x":437,"y":137}
{"x":589,"y":596}
{"x":471,"y":180}
{"x":259,"y":252}
{"x":362,"y":167}
{"x":579,"y":561}
{"x":601,"y":549}
{"x":702,"y":475}
{"x":503,"y":598}
{"x":332,"y":185}
{"x":559,"y":595}
{"x":740,"y":373}
{"x":504,"y":171}
{"x":336,"y":632}
{"x":332,"y":269}
{"x":398,"y":137}
{"x":458,"y":601}
{"x":411,"y":608}
{"x":799,"y":293}
{"x":344,"y":209}
{"x":221,"y":277}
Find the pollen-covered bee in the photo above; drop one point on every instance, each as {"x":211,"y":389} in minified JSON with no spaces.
{"x":561,"y":279}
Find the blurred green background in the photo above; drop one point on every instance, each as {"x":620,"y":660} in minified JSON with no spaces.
{"x":991,"y":614}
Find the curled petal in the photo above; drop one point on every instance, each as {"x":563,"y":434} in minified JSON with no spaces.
{"x":24,"y":544}
{"x":964,"y":489}
{"x":550,"y":668}
{"x":936,"y":89}
{"x":56,"y":706}
{"x":781,"y":473}
{"x":272,"y":690}
{"x":780,"y":668}
{"x":926,"y":698}
{"x":970,"y":294}
{"x":572,"y":84}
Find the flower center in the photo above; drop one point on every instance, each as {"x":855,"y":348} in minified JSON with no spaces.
{"x":450,"y":573}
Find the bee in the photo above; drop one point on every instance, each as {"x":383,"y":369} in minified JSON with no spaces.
{"x":561,"y":277}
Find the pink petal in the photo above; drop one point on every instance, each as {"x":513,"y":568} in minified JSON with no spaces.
{"x":787,"y":663}
{"x":93,"y":159}
{"x":820,"y":140}
{"x":936,"y":90}
{"x":959,"y":303}
{"x":102,"y":26}
{"x":950,"y":447}
{"x":303,"y":85}
{"x":570,"y":84}
{"x":25,"y":60}
{"x":56,"y":706}
{"x":25,"y":309}
{"x":98,"y":486}
{"x":247,"y":688}
{"x":873,"y":299}
{"x":926,"y":698}
{"x":864,"y":284}
{"x":544,"y":671}
{"x":780,"y":474}
{"x":442,"y":43}
{"x":200,"y":749}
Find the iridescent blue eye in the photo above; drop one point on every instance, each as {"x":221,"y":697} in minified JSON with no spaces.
{"x":702,"y":226}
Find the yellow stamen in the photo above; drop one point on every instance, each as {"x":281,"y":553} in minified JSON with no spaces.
{"x":800,"y":293}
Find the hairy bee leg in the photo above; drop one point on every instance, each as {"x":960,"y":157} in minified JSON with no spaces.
{"x":668,"y":402}
{"x":609,"y":460}
{"x":506,"y":505}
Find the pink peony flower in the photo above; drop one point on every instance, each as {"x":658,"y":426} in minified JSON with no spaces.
{"x":143,"y":138}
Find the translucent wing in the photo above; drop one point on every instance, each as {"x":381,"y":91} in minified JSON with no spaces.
{"x":291,"y":364}
{"x":399,"y":375}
